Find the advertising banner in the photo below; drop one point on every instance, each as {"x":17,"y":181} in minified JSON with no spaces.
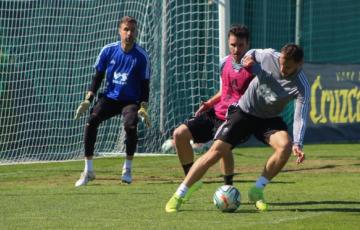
{"x":334,"y":114}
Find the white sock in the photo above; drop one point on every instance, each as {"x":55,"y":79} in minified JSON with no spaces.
{"x":182,"y":190}
{"x":127,"y":164}
{"x":88,"y":165}
{"x":261,"y":182}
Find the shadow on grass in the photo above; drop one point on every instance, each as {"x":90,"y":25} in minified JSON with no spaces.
{"x":309,"y":169}
{"x":227,"y":213}
{"x":325,"y":202}
{"x":59,"y":170}
{"x":250,"y":209}
{"x":241,"y":210}
{"x":316,"y":202}
{"x":178,"y":181}
{"x":357,"y":210}
{"x":63,"y":194}
{"x":247,"y":181}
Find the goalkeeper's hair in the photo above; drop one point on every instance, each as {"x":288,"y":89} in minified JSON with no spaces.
{"x":239,"y":31}
{"x":127,"y":19}
{"x":293,"y":51}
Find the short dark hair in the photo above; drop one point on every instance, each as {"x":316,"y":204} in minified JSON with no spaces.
{"x":293,"y":51}
{"x":240,"y":31}
{"x":127,"y":19}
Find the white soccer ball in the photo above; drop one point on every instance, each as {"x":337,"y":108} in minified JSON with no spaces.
{"x":168,"y":146}
{"x":227,"y":198}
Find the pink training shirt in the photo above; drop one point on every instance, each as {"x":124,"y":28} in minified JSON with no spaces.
{"x":233,"y":85}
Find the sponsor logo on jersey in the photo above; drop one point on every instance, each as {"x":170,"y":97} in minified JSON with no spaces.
{"x":267,"y":94}
{"x":120,"y":78}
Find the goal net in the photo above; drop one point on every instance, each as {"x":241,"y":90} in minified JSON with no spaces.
{"x":48,"y":48}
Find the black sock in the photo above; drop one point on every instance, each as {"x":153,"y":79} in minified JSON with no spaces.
{"x":228,"y":179}
{"x":187,"y":167}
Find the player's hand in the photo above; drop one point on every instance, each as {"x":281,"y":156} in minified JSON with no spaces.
{"x":143,"y":114}
{"x":297,"y":150}
{"x":203,"y":108}
{"x":84,"y":106}
{"x":247,"y":61}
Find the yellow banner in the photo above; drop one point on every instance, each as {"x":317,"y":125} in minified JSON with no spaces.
{"x":339,"y":105}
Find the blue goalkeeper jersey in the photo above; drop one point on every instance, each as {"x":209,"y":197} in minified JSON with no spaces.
{"x":124,"y":71}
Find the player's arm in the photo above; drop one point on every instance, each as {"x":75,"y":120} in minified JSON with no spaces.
{"x":206,"y":105}
{"x":249,"y":62}
{"x":258,"y":55}
{"x":254,"y":58}
{"x":300,"y":117}
{"x":96,"y":82}
{"x":143,"y":111}
{"x":145,"y":91}
{"x":90,"y":95}
{"x":100,"y":69}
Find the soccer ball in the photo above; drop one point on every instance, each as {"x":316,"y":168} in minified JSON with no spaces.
{"x":168,"y":146}
{"x":227,"y":198}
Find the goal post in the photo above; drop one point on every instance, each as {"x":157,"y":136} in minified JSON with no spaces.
{"x":224,"y":26}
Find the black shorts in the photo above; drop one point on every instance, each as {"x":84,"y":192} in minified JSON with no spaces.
{"x":204,"y":126}
{"x":239,"y":126}
{"x":106,"y":108}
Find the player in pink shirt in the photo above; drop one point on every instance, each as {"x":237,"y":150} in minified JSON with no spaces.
{"x":234,"y":80}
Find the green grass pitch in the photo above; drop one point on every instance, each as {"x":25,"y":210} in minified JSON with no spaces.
{"x":322,"y":193}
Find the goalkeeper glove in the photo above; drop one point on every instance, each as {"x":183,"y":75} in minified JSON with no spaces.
{"x":143,"y":114}
{"x":84,"y":105}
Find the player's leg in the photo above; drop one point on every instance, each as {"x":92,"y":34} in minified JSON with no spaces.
{"x":225,"y":138}
{"x":201,"y":165}
{"x":182,"y":137}
{"x":196,"y":172}
{"x":200,"y":130}
{"x":274,"y":134}
{"x":281,"y":143}
{"x":232,"y":131}
{"x":130,"y":118}
{"x":227,"y":161}
{"x":227,"y":168}
{"x":101,"y":111}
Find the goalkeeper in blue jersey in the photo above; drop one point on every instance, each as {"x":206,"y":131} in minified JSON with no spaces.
{"x":279,"y":79}
{"x":127,"y":70}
